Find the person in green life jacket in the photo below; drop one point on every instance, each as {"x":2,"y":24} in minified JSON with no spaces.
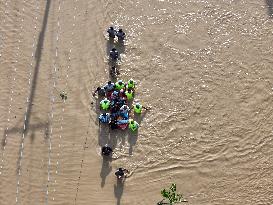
{"x":119,"y":85}
{"x":131,"y":84}
{"x":133,"y":125}
{"x":129,"y":94}
{"x":138,"y":108}
{"x":105,"y":104}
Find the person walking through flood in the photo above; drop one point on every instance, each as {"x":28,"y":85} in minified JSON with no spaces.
{"x":129,"y":94}
{"x":114,"y":54}
{"x":109,"y":87}
{"x":100,"y":91}
{"x":133,"y":125}
{"x":106,"y":150}
{"x":121,"y":173}
{"x":138,"y":108}
{"x":114,"y":71}
{"x":111,"y":32}
{"x":121,"y":35}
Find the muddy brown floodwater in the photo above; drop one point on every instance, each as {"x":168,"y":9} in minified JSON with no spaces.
{"x":204,"y":67}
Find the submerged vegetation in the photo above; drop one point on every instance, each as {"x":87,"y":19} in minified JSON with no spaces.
{"x":171,"y":196}
{"x":63,"y":95}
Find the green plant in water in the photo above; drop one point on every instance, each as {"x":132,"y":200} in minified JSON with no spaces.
{"x":63,"y":95}
{"x":171,"y":196}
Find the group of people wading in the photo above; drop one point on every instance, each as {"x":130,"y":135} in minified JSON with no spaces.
{"x":115,"y":100}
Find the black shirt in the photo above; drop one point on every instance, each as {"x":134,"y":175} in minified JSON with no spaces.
{"x":119,"y":173}
{"x":106,"y":150}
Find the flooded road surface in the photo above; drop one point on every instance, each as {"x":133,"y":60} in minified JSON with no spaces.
{"x":204,"y":68}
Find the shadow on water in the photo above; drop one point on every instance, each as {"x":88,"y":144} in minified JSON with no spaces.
{"x":133,"y":136}
{"x":270,"y":7}
{"x":113,"y":73}
{"x":117,"y":137}
{"x":103,"y":132}
{"x":118,"y":190}
{"x":139,"y":118}
{"x":105,"y":169}
{"x":132,"y":139}
{"x":113,"y":140}
{"x":112,"y":77}
{"x":21,"y":130}
{"x":103,"y":137}
{"x":119,"y":45}
{"x":38,"y":55}
{"x":109,"y":45}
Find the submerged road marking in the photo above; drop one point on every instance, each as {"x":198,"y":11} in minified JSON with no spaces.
{"x":11,"y":89}
{"x":25,"y":119}
{"x":54,"y":76}
{"x":64,"y":104}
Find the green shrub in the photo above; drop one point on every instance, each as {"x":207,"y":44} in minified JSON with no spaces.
{"x":171,"y":196}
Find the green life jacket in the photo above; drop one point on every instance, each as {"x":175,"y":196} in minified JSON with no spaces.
{"x":105,"y":104}
{"x":129,"y":95}
{"x":138,"y":108}
{"x":131,"y":84}
{"x":119,"y":86}
{"x":133,"y":125}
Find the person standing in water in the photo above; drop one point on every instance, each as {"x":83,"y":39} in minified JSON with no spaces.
{"x":111,"y":32}
{"x":114,"y":55}
{"x":104,"y":118}
{"x":106,"y":150}
{"x":100,"y":91}
{"x":119,"y":85}
{"x":121,"y":173}
{"x":133,"y":125}
{"x":121,"y":35}
{"x":105,"y":104}
{"x":114,"y":71}
{"x":138,"y":108}
{"x":109,"y":87}
{"x":131,"y":84}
